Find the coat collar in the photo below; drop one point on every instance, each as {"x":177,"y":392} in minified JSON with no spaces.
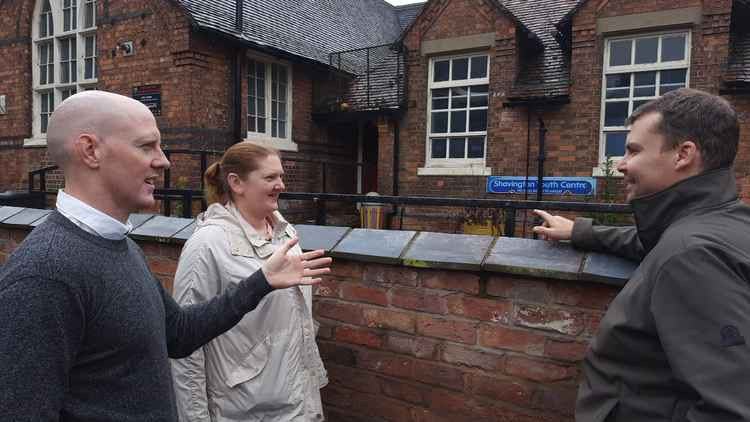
{"x":243,"y":238}
{"x":657,"y":211}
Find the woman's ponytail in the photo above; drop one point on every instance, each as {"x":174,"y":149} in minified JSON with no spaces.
{"x":213,"y":180}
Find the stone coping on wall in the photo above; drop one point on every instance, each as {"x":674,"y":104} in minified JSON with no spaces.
{"x":537,"y":258}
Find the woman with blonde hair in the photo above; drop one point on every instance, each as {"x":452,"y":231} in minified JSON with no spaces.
{"x":266,"y":368}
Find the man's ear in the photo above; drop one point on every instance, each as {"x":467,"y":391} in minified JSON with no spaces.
{"x":688,"y":156}
{"x":87,"y":149}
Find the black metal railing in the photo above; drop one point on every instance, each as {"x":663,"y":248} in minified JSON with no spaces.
{"x":377,"y":79}
{"x":508,"y":206}
{"x":185,"y":197}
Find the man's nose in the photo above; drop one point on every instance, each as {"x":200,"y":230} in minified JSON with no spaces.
{"x":162,"y":161}
{"x":622,"y":166}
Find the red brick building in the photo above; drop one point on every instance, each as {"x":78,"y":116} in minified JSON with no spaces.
{"x":458,"y":91}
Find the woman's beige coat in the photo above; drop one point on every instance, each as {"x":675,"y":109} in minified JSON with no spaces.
{"x":267,"y":368}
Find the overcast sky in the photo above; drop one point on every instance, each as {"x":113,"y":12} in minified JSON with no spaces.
{"x":400,"y":2}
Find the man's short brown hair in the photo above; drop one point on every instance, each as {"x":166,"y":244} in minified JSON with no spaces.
{"x":692,"y":115}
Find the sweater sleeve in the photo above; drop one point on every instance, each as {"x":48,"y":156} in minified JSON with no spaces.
{"x":620,"y":241}
{"x":190,"y":327}
{"x":41,"y":331}
{"x":700,"y":308}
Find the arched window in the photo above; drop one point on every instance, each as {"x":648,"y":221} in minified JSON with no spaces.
{"x":64,"y":57}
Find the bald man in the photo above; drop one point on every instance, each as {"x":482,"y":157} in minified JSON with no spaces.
{"x":85,"y":328}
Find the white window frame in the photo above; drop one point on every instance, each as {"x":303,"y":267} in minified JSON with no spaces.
{"x":265,"y":138}
{"x":79,"y":34}
{"x":631,"y":69}
{"x":455,"y":166}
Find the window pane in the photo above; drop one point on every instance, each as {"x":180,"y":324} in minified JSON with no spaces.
{"x":274,"y":126}
{"x":460,"y":69}
{"x":261,"y":106}
{"x":673,"y":48}
{"x":479,"y":96}
{"x":64,"y":75}
{"x":441,"y":71}
{"x":89,"y":15}
{"x":458,"y":121}
{"x":439,"y":103}
{"x":478,"y":120}
{"x":440,"y":93}
{"x":476,"y":148}
{"x":51,"y":73}
{"x":88,"y":68}
{"x":251,"y":103}
{"x":479,"y":67}
{"x":458,"y":102}
{"x":646,"y":50}
{"x":439,"y":122}
{"x":457,"y":149}
{"x":618,"y":86}
{"x":620,"y":52}
{"x":251,"y":124}
{"x":645,"y":84}
{"x":478,"y":100}
{"x":66,"y":20}
{"x":438,"y":148}
{"x":615,"y":144}
{"x":460,"y":92}
{"x":73,"y":55}
{"x":615,"y":113}
{"x":261,"y":125}
{"x":282,"y":129}
{"x":282,"y":111}
{"x":673,"y":76}
{"x":64,"y":49}
{"x":89,"y":46}
{"x":44,"y":103}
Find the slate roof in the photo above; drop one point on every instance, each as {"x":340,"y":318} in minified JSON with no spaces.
{"x":408,"y":13}
{"x":311,"y":29}
{"x":546,"y":73}
{"x":738,"y":66}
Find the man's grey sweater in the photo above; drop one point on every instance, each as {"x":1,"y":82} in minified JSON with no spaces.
{"x":86,"y":329}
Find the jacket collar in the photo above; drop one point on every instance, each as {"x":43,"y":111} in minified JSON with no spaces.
{"x":657,"y":211}
{"x":239,"y":231}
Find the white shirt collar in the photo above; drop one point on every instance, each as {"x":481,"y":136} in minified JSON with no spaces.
{"x":91,"y":219}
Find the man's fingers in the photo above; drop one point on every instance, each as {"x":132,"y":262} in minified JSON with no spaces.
{"x":289,"y":244}
{"x":310,"y":281}
{"x":315,"y":263}
{"x":544,"y":214}
{"x":307,"y":256}
{"x":316,"y":272}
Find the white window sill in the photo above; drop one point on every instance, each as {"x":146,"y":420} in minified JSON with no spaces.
{"x":599,"y":172}
{"x":277,"y":143}
{"x":35,"y":142}
{"x":454,"y":171}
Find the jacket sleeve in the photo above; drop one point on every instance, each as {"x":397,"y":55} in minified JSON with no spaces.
{"x":620,"y":241}
{"x":41,"y":331}
{"x":700,"y":309}
{"x":191,"y":326}
{"x":196,"y":281}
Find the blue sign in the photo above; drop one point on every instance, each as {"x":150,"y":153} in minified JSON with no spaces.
{"x":550,"y":185}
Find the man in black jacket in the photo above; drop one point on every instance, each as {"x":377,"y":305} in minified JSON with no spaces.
{"x":673,"y":346}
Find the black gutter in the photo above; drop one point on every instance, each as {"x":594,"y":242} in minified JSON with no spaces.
{"x":236,"y":84}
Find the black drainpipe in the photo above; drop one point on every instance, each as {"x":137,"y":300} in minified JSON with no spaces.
{"x":395,"y":156}
{"x":236,"y":77}
{"x":540,"y":179}
{"x":238,"y":15}
{"x":236,"y":86}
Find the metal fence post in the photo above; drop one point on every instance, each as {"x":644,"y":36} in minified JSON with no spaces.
{"x":510,"y":222}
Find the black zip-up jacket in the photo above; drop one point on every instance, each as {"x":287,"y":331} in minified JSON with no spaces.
{"x":673,"y":345}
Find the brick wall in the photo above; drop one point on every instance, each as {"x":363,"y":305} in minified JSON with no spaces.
{"x":405,"y":344}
